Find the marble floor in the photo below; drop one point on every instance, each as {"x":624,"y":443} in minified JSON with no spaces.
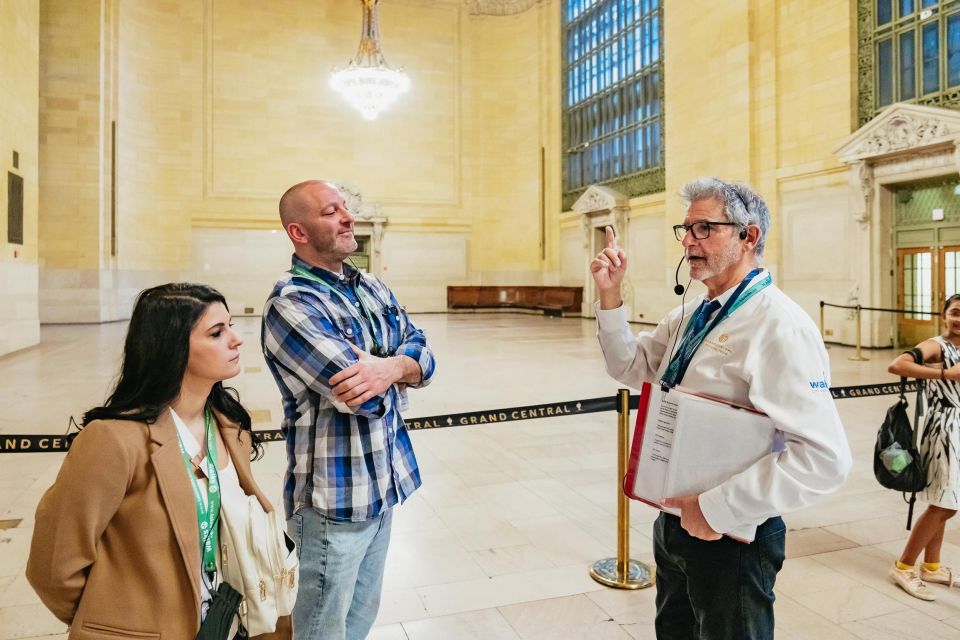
{"x":497,"y":542}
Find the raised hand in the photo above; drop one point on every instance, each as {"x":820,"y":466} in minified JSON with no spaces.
{"x":608,"y":269}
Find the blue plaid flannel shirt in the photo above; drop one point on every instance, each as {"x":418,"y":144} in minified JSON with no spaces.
{"x":347,"y":463}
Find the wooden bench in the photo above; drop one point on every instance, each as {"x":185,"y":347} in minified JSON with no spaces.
{"x":551,"y":300}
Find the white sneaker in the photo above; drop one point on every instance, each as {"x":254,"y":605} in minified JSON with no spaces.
{"x":943,"y":575}
{"x":909,"y":581}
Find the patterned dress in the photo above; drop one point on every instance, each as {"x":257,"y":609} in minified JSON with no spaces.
{"x":941,"y":435}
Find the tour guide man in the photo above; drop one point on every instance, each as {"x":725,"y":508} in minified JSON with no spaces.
{"x":750,"y":344}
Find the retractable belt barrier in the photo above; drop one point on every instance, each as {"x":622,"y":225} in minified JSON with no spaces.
{"x":858,"y":357}
{"x":31,"y":443}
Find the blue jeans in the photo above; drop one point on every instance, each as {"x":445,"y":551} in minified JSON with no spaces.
{"x":719,"y":590}
{"x":341,"y":574}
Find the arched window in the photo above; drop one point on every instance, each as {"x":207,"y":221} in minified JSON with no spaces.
{"x":909,"y":51}
{"x":612,"y":98}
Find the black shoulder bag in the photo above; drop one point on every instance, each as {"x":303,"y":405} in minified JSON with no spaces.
{"x":896,"y":461}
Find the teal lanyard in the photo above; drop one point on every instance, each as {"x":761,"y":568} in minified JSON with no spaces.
{"x":297,"y":270}
{"x":207,"y":513}
{"x":691,"y":342}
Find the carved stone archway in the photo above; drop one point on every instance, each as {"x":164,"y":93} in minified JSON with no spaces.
{"x":904,"y":143}
{"x":599,"y":207}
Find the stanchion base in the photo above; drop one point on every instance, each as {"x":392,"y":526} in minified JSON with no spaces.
{"x":858,"y":359}
{"x":639,"y":575}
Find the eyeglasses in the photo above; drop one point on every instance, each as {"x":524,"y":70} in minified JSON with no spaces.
{"x":700,"y":230}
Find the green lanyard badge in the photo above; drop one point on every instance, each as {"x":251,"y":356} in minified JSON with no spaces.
{"x":207,"y":513}
{"x":378,"y":350}
{"x":691,"y":342}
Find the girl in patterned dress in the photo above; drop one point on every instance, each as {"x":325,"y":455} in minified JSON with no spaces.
{"x":939,"y":448}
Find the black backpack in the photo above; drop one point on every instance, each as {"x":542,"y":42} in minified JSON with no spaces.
{"x":896,"y":428}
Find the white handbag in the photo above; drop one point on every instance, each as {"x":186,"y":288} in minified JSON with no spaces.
{"x":260,"y":561}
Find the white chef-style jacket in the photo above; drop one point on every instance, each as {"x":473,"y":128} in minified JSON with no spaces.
{"x":767,"y":355}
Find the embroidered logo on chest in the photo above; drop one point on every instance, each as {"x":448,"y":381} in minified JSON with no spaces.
{"x":719,"y":344}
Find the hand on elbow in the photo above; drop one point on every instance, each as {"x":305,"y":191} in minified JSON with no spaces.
{"x":367,"y":378}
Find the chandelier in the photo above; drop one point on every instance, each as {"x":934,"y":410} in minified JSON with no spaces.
{"x":367,"y":83}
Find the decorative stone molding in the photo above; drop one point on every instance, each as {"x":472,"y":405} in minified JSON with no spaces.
{"x":902,"y":140}
{"x":901,"y":127}
{"x":499,"y":7}
{"x":600,"y":206}
{"x":903,"y":132}
{"x":861,"y":191}
{"x":599,"y":198}
{"x":940,"y":160}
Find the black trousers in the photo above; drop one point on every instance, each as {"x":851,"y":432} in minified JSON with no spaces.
{"x":719,"y":590}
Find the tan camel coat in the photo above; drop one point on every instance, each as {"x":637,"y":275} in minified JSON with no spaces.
{"x":115,"y":550}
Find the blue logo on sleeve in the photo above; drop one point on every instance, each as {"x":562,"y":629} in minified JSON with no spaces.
{"x":818,"y":385}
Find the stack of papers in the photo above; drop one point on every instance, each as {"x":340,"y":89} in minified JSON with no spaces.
{"x":685,"y":444}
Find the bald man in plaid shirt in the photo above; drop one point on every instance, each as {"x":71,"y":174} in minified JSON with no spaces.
{"x":343,"y":353}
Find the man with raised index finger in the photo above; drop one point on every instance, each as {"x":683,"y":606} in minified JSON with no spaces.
{"x":343,"y":353}
{"x":747,"y":343}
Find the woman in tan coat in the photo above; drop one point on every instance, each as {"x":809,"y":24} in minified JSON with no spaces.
{"x":116,"y":549}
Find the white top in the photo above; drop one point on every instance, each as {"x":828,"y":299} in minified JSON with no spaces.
{"x":767,"y":355}
{"x":231,"y":496}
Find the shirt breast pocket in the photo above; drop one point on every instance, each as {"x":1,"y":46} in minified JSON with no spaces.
{"x":351,"y":332}
{"x":394,"y":329}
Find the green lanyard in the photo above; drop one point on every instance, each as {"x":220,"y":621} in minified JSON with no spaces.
{"x":681,"y":360}
{"x":207,"y":514}
{"x":297,"y":270}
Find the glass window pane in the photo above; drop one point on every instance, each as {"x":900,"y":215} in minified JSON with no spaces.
{"x":655,"y":37}
{"x":639,"y":138}
{"x":611,"y":66}
{"x":924,"y":282}
{"x":884,"y":12}
{"x":953,"y":49}
{"x":951,"y":283}
{"x":884,"y":72}
{"x":929,"y":3}
{"x":931,"y":58}
{"x":917,"y":284}
{"x":906,"y":7}
{"x":908,"y":70}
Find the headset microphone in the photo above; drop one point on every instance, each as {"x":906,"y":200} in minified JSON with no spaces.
{"x":679,"y":288}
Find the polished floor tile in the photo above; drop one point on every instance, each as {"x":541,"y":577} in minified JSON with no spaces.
{"x":498,"y":540}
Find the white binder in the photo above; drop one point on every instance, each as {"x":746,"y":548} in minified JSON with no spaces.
{"x":686,"y":443}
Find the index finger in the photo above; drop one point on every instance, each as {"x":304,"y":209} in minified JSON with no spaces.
{"x":611,"y":239}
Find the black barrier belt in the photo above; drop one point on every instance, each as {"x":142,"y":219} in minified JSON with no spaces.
{"x":48,"y":444}
{"x":862,"y":308}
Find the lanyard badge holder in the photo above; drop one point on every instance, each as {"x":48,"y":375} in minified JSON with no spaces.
{"x":225,"y":600}
{"x":692,"y":341}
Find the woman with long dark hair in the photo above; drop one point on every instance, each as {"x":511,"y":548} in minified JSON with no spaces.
{"x":125,"y":541}
{"x":939,"y":449}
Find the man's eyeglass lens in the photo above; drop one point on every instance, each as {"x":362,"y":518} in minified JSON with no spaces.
{"x":700,"y":230}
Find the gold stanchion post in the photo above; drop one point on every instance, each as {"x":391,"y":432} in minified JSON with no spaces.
{"x":622,"y":572}
{"x":857,"y":357}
